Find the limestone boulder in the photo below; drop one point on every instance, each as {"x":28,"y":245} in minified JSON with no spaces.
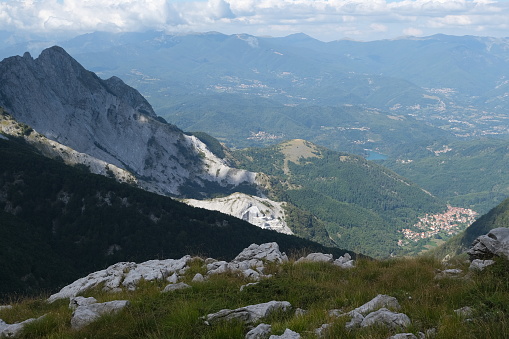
{"x":13,"y":330}
{"x":480,"y":265}
{"x":86,"y":314}
{"x":316,"y":257}
{"x":248,"y":314}
{"x":175,"y":287}
{"x":124,"y":275}
{"x":495,"y":243}
{"x":403,"y":336}
{"x":376,"y":303}
{"x":345,"y":261}
{"x":288,"y":334}
{"x":262,"y":331}
{"x":387,"y":318}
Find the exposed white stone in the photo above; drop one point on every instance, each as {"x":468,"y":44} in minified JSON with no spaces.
{"x":300,"y":312}
{"x":316,"y":257}
{"x":388,"y":318}
{"x":345,"y":261}
{"x":13,"y":330}
{"x":174,"y":287}
{"x":261,"y":212}
{"x":75,"y":302}
{"x":174,"y":278}
{"x":247,"y":285}
{"x":262,"y":331}
{"x":5,"y":307}
{"x":356,"y":320}
{"x":86,"y":314}
{"x":288,"y":334}
{"x":449,"y":273}
{"x":403,"y":336}
{"x":322,"y":330}
{"x":495,"y":243}
{"x":123,"y":274}
{"x":377,"y":302}
{"x":198,"y":277}
{"x":464,"y":312}
{"x":248,"y":314}
{"x":480,"y":265}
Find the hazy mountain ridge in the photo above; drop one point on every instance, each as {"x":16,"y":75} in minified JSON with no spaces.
{"x":112,"y":122}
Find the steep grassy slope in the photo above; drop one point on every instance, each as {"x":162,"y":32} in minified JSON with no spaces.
{"x":58,"y":223}
{"x":362,"y":204}
{"x":317,"y":288}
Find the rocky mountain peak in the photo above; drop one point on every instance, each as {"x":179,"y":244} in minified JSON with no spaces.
{"x":110,"y":121}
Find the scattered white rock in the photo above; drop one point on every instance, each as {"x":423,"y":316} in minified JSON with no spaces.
{"x":75,"y":302}
{"x":336,"y":313}
{"x":5,"y":307}
{"x":356,"y":320}
{"x":248,"y":314}
{"x":288,"y":334}
{"x":124,"y":275}
{"x":198,"y":277}
{"x":320,"y":331}
{"x":243,"y":287}
{"x":13,"y":330}
{"x":403,"y":336}
{"x":388,"y":318}
{"x":268,"y":252}
{"x":495,"y":243}
{"x":480,"y":265}
{"x":376,"y":303}
{"x":464,"y":312}
{"x":300,"y":312}
{"x":316,"y":257}
{"x":261,"y":331}
{"x":175,"y":287}
{"x":173,"y":279}
{"x":86,"y":314}
{"x":345,"y":261}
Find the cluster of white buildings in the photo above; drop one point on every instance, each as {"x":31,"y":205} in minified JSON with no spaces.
{"x":448,"y":223}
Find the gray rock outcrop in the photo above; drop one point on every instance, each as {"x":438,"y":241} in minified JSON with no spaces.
{"x":248,"y":314}
{"x":262,"y":331}
{"x":124,"y":275}
{"x":495,"y":243}
{"x":288,"y":334}
{"x":13,"y":330}
{"x":316,"y":257}
{"x":109,"y":121}
{"x":403,"y":336}
{"x":175,"y":287}
{"x":376,"y":303}
{"x":480,"y":265}
{"x":388,"y":318}
{"x":86,"y":314}
{"x":250,"y":262}
{"x":345,"y":261}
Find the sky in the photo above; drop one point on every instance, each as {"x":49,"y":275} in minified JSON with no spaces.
{"x":326,"y":20}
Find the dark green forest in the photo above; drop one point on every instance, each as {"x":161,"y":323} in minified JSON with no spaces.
{"x":59,"y":223}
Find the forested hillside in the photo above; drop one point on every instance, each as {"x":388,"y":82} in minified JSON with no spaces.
{"x":361,"y":204}
{"x":60,"y":223}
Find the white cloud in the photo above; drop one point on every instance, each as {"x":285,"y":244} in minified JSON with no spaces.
{"x":324,"y":19}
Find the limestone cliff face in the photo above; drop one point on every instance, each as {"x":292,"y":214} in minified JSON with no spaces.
{"x":261,"y":212}
{"x":110,"y":121}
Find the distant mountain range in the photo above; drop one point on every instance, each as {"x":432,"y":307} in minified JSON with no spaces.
{"x":334,"y":198}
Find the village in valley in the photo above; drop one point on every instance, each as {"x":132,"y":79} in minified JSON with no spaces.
{"x":448,"y":223}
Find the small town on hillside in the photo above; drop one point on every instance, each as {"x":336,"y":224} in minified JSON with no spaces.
{"x":448,"y":223}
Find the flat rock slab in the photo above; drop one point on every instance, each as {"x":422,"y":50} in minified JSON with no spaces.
{"x":175,"y":287}
{"x":288,"y":334}
{"x":248,"y":314}
{"x":86,"y":314}
{"x":376,"y":303}
{"x":385,"y":317}
{"x":123,"y":275}
{"x":316,"y":257}
{"x":13,"y":330}
{"x":261,"y":331}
